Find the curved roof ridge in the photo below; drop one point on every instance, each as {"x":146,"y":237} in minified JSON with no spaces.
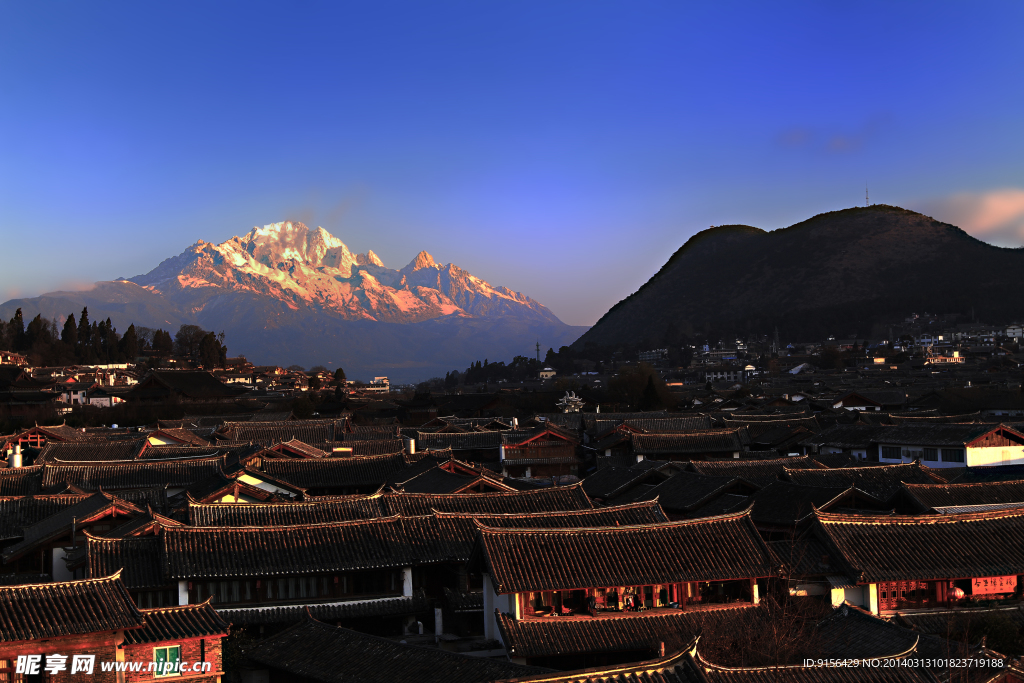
{"x":792,"y":667}
{"x":729,"y":516}
{"x":288,"y":527}
{"x":950,"y":518}
{"x":508,"y":515}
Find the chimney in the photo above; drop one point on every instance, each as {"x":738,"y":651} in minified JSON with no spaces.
{"x":15,"y":460}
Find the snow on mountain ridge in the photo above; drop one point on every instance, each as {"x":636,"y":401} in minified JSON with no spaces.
{"x":303,"y":267}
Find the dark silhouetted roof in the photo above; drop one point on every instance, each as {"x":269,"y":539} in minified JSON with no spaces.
{"x":314,"y":650}
{"x":760,"y":472}
{"x":551,"y":637}
{"x":925,"y":547}
{"x":356,"y":471}
{"x":936,"y":496}
{"x":881,"y":481}
{"x":707,"y":549}
{"x":178,"y":623}
{"x":556,"y":499}
{"x":284,"y":514}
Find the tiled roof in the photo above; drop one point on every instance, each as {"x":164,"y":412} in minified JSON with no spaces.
{"x":764,"y":422}
{"x":185,"y":435}
{"x":178,"y":623}
{"x":331,"y":611}
{"x":184,"y":452}
{"x":436,"y":480}
{"x":679,"y":423}
{"x":132,"y":475}
{"x":313,"y":432}
{"x":21,"y":481}
{"x":726,"y":441}
{"x":300,"y":447}
{"x":18,"y":512}
{"x":51,"y":610}
{"x":760,"y":472}
{"x":556,"y":499}
{"x":460,"y":442}
{"x":966,"y":475}
{"x":916,"y":434}
{"x":61,"y":521}
{"x":607,"y":481}
{"x":783,"y":503}
{"x":552,"y":637}
{"x":191,"y":383}
{"x":848,"y":436}
{"x":700,"y":671}
{"x":932,"y":496}
{"x":138,"y":558}
{"x":648,"y":512}
{"x":274,"y":551}
{"x":590,"y":419}
{"x":370,"y":446}
{"x":90,"y":451}
{"x":370,"y":470}
{"x":366,"y":432}
{"x":709,"y":549}
{"x":925,"y":547}
{"x":720,"y":505}
{"x":519,"y":436}
{"x":685,"y":491}
{"x":284,"y":514}
{"x":313,"y":650}
{"x":881,"y":481}
{"x":945,"y":622}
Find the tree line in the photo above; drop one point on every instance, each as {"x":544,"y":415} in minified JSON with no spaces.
{"x":85,"y":342}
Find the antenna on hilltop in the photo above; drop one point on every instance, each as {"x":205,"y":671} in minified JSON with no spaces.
{"x":867,"y":202}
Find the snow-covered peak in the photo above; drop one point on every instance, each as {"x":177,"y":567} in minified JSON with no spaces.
{"x":292,"y":240}
{"x":422,"y":260}
{"x":369,"y":259}
{"x":302,"y":266}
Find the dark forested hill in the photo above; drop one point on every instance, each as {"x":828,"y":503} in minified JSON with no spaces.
{"x":838,"y":273}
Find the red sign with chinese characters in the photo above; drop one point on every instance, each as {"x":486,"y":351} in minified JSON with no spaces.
{"x":989,"y":585}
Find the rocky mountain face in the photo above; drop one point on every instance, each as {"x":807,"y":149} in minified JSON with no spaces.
{"x":845,"y":273}
{"x":285,"y":293}
{"x":300,"y":267}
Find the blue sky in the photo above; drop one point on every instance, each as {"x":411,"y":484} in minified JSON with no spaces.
{"x":561,"y":148}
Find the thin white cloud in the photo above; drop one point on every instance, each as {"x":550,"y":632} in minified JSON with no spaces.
{"x":996,"y":216}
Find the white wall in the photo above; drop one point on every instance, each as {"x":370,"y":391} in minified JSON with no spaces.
{"x":995,"y":455}
{"x":491,"y":601}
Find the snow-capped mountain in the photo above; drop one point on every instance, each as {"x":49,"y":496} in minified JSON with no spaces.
{"x":287,"y":294}
{"x":302,"y":267}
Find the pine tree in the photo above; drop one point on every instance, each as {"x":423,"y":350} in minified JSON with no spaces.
{"x":130,"y":344}
{"x":70,"y":333}
{"x":17,"y":331}
{"x":84,"y":334}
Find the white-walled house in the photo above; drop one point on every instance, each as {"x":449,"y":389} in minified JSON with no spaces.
{"x":951,"y":445}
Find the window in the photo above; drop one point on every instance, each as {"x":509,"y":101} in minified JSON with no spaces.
{"x":167,"y":659}
{"x":891,"y":453}
{"x":930,"y":454}
{"x":952,"y":455}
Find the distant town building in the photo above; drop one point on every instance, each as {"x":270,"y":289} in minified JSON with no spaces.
{"x":379,"y":385}
{"x":653,"y":355}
